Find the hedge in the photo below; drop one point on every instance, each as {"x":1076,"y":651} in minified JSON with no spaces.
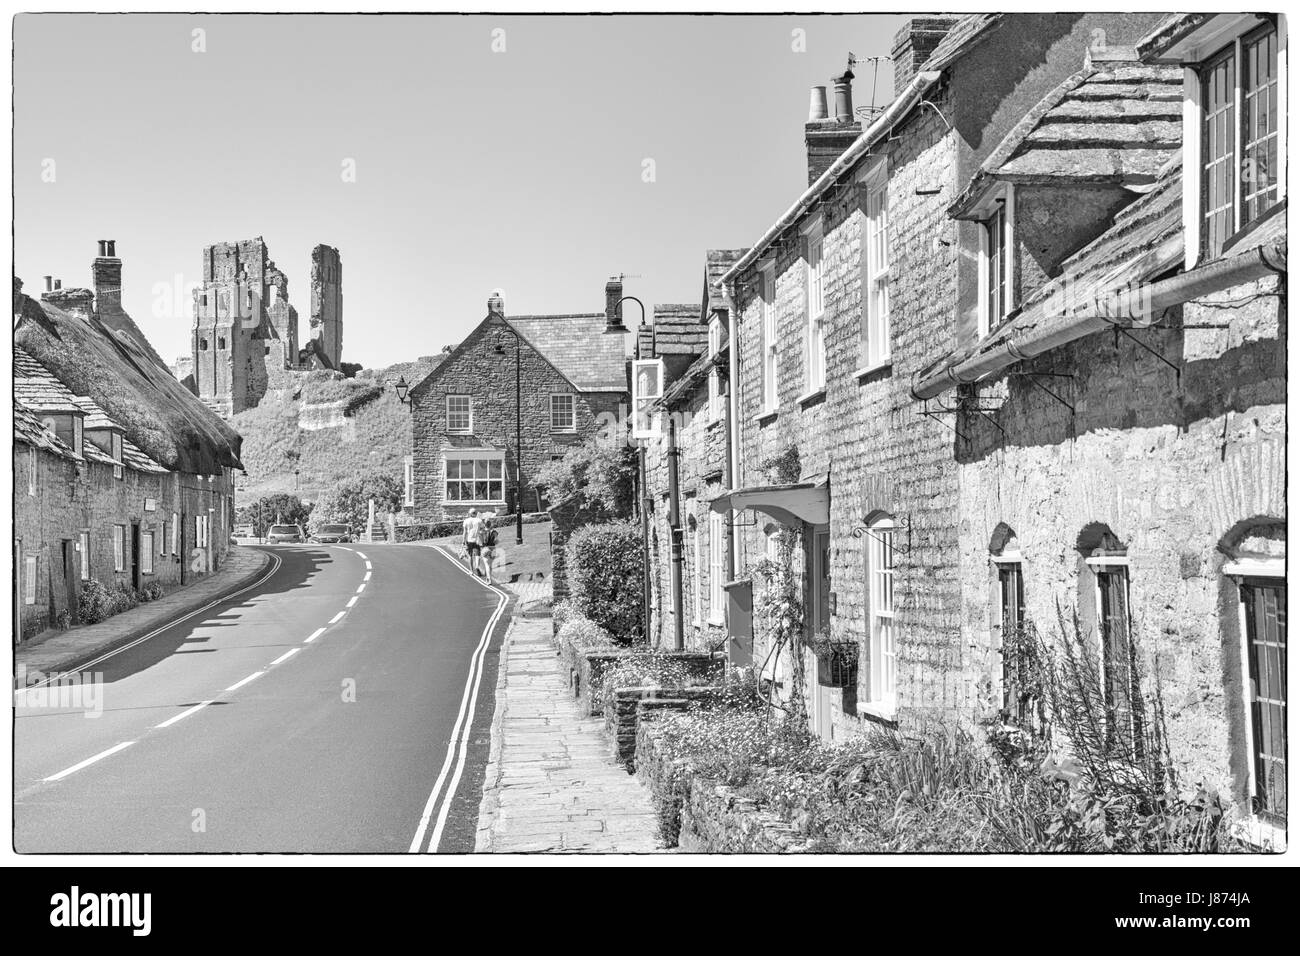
{"x":603,"y":564}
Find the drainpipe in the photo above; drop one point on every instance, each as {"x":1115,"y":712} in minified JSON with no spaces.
{"x":675,"y":534}
{"x":733,"y":421}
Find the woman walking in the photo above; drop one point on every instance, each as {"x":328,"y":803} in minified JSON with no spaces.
{"x":489,"y":549}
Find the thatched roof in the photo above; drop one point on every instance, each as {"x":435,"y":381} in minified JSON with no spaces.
{"x":160,"y":416}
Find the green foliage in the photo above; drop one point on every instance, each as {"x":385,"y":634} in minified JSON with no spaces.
{"x":580,"y":633}
{"x":599,"y":475}
{"x":349,"y":501}
{"x":278,"y":508}
{"x":98,"y":602}
{"x":604,"y":567}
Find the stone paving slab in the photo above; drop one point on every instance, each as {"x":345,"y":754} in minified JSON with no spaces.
{"x":66,"y":650}
{"x":552,"y":783}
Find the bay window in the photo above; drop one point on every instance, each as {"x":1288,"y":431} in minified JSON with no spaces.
{"x":474,"y":477}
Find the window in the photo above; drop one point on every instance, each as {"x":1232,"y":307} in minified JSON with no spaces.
{"x":116,"y":445}
{"x":563,"y":413}
{"x":1011,"y":628}
{"x":997,"y":263}
{"x":647,"y":388}
{"x":29,"y":579}
{"x":119,"y":547}
{"x":875,"y":276}
{"x":478,"y":480}
{"x":815,"y":347}
{"x":717,"y":553}
{"x":31,"y":471}
{"x":1263,"y":602}
{"x":146,"y":552}
{"x":176,"y":531}
{"x":882,"y":651}
{"x":78,"y":435}
{"x":203,"y":345}
{"x":1119,"y":672}
{"x":460,"y":414}
{"x":768,"y":279}
{"x":221,"y":342}
{"x":1239,"y":130}
{"x":696,"y":570}
{"x":408,"y":498}
{"x":83,"y":546}
{"x":715,"y":378}
{"x":200,"y":531}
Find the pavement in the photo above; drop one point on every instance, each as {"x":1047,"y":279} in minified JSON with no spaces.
{"x":341,"y":704}
{"x":65,"y":650}
{"x":552,"y":784}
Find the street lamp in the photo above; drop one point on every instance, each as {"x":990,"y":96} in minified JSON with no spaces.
{"x":519,"y":434}
{"x":401,"y":388}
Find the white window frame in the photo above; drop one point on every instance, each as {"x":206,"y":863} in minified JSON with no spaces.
{"x":717,"y":558}
{"x":1225,"y":29}
{"x":115,"y":443}
{"x":815,"y":309}
{"x":31,"y":470}
{"x":176,"y":531}
{"x":119,"y":547}
{"x":468,"y":412}
{"x":572,"y":400}
{"x":146,"y":552}
{"x":645,"y":399}
{"x":716,"y":404}
{"x":78,"y":435}
{"x":83,"y":546}
{"x":696,"y":587}
{"x":488,"y":455}
{"x":875,"y":253}
{"x":408,"y":476}
{"x":767,"y":297}
{"x":882,"y":632}
{"x":1001,"y":201}
{"x":31,"y":573}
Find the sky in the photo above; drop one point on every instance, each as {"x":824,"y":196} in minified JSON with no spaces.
{"x":486,"y":152}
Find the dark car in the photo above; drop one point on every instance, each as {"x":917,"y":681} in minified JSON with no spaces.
{"x":333,"y":534}
{"x":284,"y":534}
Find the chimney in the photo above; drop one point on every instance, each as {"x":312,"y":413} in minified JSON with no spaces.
{"x":826,"y":138}
{"x":49,"y":283}
{"x":613,"y":307}
{"x":58,"y":284}
{"x":913,"y":45}
{"x":106,"y":272}
{"x":497,"y":303}
{"x":78,"y":302}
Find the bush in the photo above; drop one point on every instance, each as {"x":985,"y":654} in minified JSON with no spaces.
{"x":151,"y":591}
{"x":578,"y":632}
{"x":600,"y":474}
{"x":603,"y":563}
{"x":646,"y":670}
{"x":349,"y":501}
{"x":95,"y":603}
{"x":562,"y":613}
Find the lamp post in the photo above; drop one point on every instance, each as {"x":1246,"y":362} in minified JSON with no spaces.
{"x":519,"y":434}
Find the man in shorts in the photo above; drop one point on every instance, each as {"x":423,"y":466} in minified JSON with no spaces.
{"x":473,"y":532}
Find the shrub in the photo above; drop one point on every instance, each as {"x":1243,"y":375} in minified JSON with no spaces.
{"x":349,"y":501}
{"x":95,"y":603}
{"x":603,"y":563}
{"x":646,"y":670}
{"x":581,"y":633}
{"x":600,"y":474}
{"x":151,"y":591}
{"x":562,"y":613}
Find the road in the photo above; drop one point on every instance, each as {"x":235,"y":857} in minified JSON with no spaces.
{"x":341,"y":704}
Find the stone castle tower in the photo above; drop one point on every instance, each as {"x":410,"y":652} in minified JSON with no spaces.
{"x":327,"y":306}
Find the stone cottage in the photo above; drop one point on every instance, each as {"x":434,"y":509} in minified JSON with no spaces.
{"x":1122,"y":451}
{"x":861,"y":283}
{"x":571,"y":373}
{"x":123,"y":476}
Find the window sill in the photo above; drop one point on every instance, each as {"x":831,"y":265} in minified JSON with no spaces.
{"x":715,"y":422}
{"x":763,"y":418}
{"x":564,"y":431}
{"x":715,"y":622}
{"x":885,"y":712}
{"x":867,"y":370}
{"x":810,"y":398}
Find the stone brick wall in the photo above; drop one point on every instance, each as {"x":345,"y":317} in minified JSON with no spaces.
{"x":476,"y":369}
{"x":1180,"y":468}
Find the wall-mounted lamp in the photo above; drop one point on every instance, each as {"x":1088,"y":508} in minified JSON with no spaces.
{"x":401,"y":388}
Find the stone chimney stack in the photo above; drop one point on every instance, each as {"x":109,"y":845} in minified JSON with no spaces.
{"x":613,"y":307}
{"x":49,"y":283}
{"x":497,"y":303}
{"x":913,"y":45}
{"x":107,"y":274}
{"x":827,"y":137}
{"x":78,"y":302}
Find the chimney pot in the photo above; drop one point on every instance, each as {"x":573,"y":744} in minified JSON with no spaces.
{"x":49,"y":283}
{"x":844,"y":97}
{"x":58,"y":284}
{"x":817,"y":104}
{"x":112,"y":248}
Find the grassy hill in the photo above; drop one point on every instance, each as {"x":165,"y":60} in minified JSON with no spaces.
{"x":329,"y":429}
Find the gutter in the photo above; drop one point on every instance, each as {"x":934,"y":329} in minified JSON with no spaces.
{"x":1255,"y":263}
{"x":893,"y":114}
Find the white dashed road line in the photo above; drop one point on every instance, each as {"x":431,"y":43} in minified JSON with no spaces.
{"x":351,"y":601}
{"x":247,"y":680}
{"x":337,"y":617}
{"x":285,"y":656}
{"x":361,"y":587}
{"x":182,"y":715}
{"x":315,"y":634}
{"x":88,"y":761}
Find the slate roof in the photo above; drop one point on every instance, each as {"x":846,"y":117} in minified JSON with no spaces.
{"x":695,"y":376}
{"x":964,"y":34}
{"x":1170,"y":31}
{"x":1116,"y":121}
{"x":29,"y":430}
{"x":678,"y":330}
{"x":717,"y":262}
{"x":579,"y":347}
{"x":38,"y":390}
{"x":159,"y":415}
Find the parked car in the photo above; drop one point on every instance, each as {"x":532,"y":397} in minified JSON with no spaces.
{"x":285,"y":534}
{"x":332,"y":534}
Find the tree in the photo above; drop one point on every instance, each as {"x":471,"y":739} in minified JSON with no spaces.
{"x":602,"y":474}
{"x":348,"y":502}
{"x":279,"y":508}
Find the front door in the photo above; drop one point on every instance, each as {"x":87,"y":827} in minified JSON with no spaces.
{"x":135,"y":556}
{"x":71,"y":575}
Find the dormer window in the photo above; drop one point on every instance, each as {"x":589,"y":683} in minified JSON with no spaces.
{"x":78,"y":435}
{"x":997,"y":262}
{"x":116,"y":445}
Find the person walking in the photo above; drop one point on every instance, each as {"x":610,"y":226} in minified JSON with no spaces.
{"x":489,"y":548}
{"x":472,"y":530}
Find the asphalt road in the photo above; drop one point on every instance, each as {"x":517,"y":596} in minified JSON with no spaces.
{"x":341,"y":705}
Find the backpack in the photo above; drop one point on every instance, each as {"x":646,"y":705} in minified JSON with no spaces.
{"x":491,"y":541}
